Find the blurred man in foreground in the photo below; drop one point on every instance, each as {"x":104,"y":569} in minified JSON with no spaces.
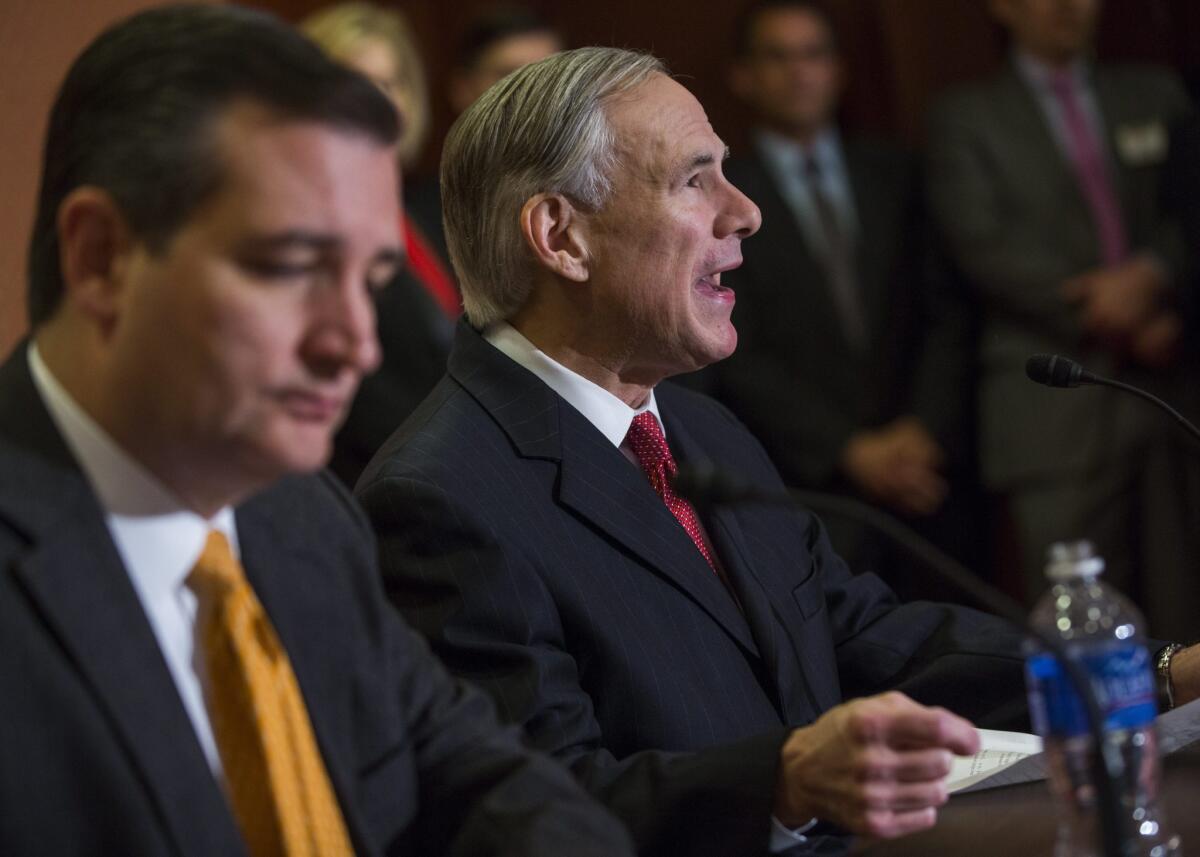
{"x":195,"y":657}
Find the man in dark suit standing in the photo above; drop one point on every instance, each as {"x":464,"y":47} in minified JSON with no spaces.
{"x":691,"y":668}
{"x":1045,"y":182}
{"x":195,"y":654}
{"x":845,"y":368}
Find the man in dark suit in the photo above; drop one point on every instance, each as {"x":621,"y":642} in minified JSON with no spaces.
{"x":1045,"y":182}
{"x":693,"y":669}
{"x":850,"y":366}
{"x":195,"y":654}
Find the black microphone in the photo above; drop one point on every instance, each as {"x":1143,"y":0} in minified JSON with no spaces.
{"x":1055,"y":371}
{"x":706,"y":486}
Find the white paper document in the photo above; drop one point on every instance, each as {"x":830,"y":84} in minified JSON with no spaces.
{"x":998,"y":751}
{"x":1010,"y":758}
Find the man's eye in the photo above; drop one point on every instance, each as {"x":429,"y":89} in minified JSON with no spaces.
{"x":694,"y":181}
{"x":280,"y":268}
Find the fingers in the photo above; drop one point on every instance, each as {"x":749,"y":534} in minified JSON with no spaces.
{"x":920,"y":491}
{"x":886,"y":824}
{"x":933,"y":727}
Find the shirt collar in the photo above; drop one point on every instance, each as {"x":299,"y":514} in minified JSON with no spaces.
{"x":158,"y":537}
{"x":1040,"y":75}
{"x":611,"y":416}
{"x":788,"y":156}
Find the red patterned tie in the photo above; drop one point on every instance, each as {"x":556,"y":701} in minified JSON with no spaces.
{"x":646,"y":440}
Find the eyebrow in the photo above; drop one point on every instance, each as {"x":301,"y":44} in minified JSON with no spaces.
{"x":320,"y":242}
{"x":701,"y":159}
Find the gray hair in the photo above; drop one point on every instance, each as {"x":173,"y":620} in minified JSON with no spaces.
{"x":542,"y":129}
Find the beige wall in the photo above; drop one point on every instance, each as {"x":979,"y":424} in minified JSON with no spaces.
{"x":38,"y":40}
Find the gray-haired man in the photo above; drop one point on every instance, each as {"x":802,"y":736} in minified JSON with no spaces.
{"x":691,"y":669}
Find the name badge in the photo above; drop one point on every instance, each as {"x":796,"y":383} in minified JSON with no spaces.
{"x":1142,"y":145}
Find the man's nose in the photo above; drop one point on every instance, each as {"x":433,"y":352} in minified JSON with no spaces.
{"x":740,"y":216}
{"x":344,"y":334}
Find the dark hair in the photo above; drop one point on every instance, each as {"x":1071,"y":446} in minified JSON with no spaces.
{"x":495,"y":24}
{"x":135,"y":114}
{"x":747,"y":20}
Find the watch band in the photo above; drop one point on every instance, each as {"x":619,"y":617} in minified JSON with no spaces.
{"x":1162,"y":667}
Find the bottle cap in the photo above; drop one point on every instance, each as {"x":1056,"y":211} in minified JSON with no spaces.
{"x":1072,"y":560}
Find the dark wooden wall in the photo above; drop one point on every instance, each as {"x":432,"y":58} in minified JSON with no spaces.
{"x":900,"y":53}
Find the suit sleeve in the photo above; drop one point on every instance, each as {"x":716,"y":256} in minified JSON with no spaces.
{"x":482,"y":606}
{"x":482,"y":793}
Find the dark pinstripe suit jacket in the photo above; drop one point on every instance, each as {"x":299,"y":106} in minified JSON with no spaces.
{"x":543,"y":566}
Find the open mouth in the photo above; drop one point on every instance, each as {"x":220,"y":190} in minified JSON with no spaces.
{"x":711,"y":285}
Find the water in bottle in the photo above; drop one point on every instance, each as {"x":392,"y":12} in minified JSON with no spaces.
{"x":1103,"y":632}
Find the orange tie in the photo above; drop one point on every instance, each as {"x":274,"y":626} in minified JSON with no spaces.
{"x":276,"y":780}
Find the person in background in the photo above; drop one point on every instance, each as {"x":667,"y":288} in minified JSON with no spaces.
{"x":1044,"y":180}
{"x":196,"y":657}
{"x":415,"y":314}
{"x":852,"y":356}
{"x":496,"y":42}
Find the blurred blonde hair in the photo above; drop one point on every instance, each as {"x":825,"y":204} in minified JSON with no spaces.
{"x":341,"y":30}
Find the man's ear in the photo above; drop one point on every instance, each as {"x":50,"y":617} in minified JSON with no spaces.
{"x":95,"y":243}
{"x":552,"y":227}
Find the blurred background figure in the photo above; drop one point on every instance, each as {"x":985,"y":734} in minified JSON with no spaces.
{"x":416,"y":311}
{"x":1045,"y":180}
{"x":843,"y":369}
{"x":499,"y":40}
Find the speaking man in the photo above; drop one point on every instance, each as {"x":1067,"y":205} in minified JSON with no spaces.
{"x":692,"y":669}
{"x":195,"y":654}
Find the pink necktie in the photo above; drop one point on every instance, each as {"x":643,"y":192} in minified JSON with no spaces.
{"x":1091,"y":171}
{"x":646,"y":439}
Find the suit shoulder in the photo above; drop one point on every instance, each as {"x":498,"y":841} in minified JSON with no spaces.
{"x":446,"y":428}
{"x":1140,"y":82}
{"x":318,"y":500}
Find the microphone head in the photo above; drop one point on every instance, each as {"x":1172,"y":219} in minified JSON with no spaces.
{"x":1054,"y":371}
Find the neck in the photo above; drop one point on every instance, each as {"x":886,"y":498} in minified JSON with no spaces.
{"x":587,"y":352}
{"x":1053,"y":61}
{"x":84,"y":373}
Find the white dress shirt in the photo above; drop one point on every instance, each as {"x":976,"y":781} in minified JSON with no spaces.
{"x":612,"y":418}
{"x":157,"y":537}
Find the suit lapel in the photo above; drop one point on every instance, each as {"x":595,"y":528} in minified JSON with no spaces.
{"x":874,"y":233}
{"x":596,"y":481}
{"x":786,"y":268}
{"x":770,"y":629}
{"x":1043,"y":162}
{"x":74,"y":575}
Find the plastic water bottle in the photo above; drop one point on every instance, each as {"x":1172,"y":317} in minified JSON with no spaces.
{"x":1102,"y":631}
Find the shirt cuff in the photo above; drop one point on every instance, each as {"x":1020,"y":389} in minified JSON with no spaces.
{"x":784,"y":837}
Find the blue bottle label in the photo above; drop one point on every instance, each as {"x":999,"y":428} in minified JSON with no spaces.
{"x":1122,"y":680}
